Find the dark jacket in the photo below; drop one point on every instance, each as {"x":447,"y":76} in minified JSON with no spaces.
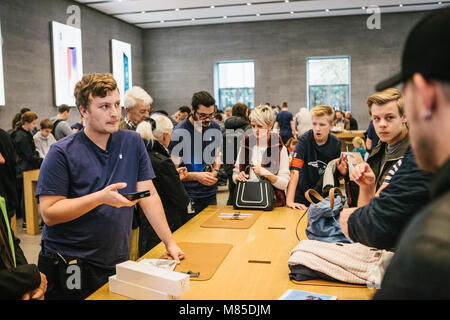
{"x":420,"y":267}
{"x":380,"y":223}
{"x":8,"y":173}
{"x":375,"y":159}
{"x":26,"y":151}
{"x":173,"y":196}
{"x":231,"y":142}
{"x":15,"y":281}
{"x":353,"y":123}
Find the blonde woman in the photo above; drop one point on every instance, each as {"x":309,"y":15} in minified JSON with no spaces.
{"x":263,"y":155}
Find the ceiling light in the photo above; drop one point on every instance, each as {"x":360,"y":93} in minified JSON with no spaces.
{"x":286,"y":1}
{"x":249,"y":3}
{"x":212,"y":7}
{"x":440,"y":2}
{"x":292,"y":12}
{"x":400,"y":5}
{"x":162,"y":21}
{"x":327,"y":10}
{"x":177,"y":9}
{"x":142,"y":11}
{"x":224,"y":17}
{"x":193,"y":19}
{"x":364,"y":8}
{"x":257,"y":14}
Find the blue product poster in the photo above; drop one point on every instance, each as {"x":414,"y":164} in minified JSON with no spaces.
{"x":126,"y":74}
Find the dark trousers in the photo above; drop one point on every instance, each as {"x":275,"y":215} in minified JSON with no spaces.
{"x":201,"y":203}
{"x":231,"y":187}
{"x":61,"y":277}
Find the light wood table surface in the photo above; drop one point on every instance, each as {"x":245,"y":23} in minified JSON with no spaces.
{"x":30,"y":179}
{"x":236,"y":278}
{"x":346,"y":137}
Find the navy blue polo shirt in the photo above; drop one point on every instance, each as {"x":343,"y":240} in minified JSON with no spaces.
{"x":197,"y":149}
{"x":75,"y":167}
{"x":284,"y":119}
{"x":310,"y":160}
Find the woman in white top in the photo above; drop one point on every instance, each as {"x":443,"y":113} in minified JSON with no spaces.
{"x":262,"y":154}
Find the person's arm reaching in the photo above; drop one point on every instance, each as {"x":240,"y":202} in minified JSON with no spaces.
{"x":154,"y":212}
{"x":59,"y":209}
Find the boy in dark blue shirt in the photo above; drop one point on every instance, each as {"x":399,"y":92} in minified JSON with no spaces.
{"x":86,"y":219}
{"x":314,"y":149}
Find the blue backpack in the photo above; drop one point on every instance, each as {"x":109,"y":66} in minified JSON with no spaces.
{"x":323,"y":217}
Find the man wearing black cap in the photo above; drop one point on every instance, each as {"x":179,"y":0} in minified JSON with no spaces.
{"x":420,"y":268}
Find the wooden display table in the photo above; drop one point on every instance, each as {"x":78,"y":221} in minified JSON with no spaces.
{"x":347,"y":136}
{"x":30,"y":179}
{"x":256,"y":267}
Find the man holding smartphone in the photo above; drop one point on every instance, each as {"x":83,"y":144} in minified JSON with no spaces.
{"x":87,"y":221}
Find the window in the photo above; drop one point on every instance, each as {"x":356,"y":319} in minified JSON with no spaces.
{"x":234,"y":82}
{"x":328,"y":80}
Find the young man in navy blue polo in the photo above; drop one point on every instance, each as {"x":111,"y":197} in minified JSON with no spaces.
{"x":86,"y":218}
{"x":197,"y":151}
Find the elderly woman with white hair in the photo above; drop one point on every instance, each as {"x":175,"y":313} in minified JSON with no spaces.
{"x":156,"y":132}
{"x":263,"y":155}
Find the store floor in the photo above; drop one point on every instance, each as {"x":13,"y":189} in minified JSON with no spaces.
{"x":31,"y":244}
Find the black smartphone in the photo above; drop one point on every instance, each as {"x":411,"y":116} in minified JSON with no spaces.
{"x":137,"y":195}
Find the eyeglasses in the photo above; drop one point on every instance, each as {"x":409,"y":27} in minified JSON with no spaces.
{"x":204,"y":116}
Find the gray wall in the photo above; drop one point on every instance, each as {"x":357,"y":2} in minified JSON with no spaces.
{"x":173,"y":63}
{"x":179,"y":61}
{"x":27,"y":52}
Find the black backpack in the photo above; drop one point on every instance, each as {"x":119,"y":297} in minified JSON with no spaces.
{"x":55,"y":124}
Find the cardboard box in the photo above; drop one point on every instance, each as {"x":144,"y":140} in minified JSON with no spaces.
{"x":171,"y":282}
{"x":135,"y":291}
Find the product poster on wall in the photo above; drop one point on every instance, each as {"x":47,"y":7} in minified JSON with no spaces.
{"x":121,"y":65}
{"x":2,"y":80}
{"x":67,"y":62}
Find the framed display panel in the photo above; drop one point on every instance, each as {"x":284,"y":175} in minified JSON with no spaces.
{"x":67,"y":62}
{"x":121,"y":66}
{"x":2,"y":79}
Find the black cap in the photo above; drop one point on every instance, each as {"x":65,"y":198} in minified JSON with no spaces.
{"x":427,"y":50}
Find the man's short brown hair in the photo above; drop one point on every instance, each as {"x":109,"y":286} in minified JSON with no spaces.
{"x":46,"y":124}
{"x":91,"y":86}
{"x":385,"y":96}
{"x":63,"y":108}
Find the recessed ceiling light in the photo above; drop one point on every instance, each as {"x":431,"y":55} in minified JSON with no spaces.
{"x":327,"y":10}
{"x":212,"y":7}
{"x":193,"y":19}
{"x":177,"y":9}
{"x":292,"y":12}
{"x":225,"y":17}
{"x":257,"y":14}
{"x":249,"y":3}
{"x":142,"y":11}
{"x":440,"y":2}
{"x":162,"y":21}
{"x":400,"y":5}
{"x":286,"y":1}
{"x":364,"y":8}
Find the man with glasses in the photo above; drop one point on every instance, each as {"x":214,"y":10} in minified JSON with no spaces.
{"x":194,"y":145}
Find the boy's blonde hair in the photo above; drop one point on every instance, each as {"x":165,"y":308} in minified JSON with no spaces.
{"x":385,"y":96}
{"x":322,"y":111}
{"x":263,"y":114}
{"x":359,"y":141}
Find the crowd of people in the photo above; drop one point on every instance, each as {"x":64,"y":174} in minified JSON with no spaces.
{"x":397,"y":202}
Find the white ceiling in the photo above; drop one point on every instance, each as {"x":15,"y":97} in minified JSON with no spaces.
{"x":174,"y":13}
